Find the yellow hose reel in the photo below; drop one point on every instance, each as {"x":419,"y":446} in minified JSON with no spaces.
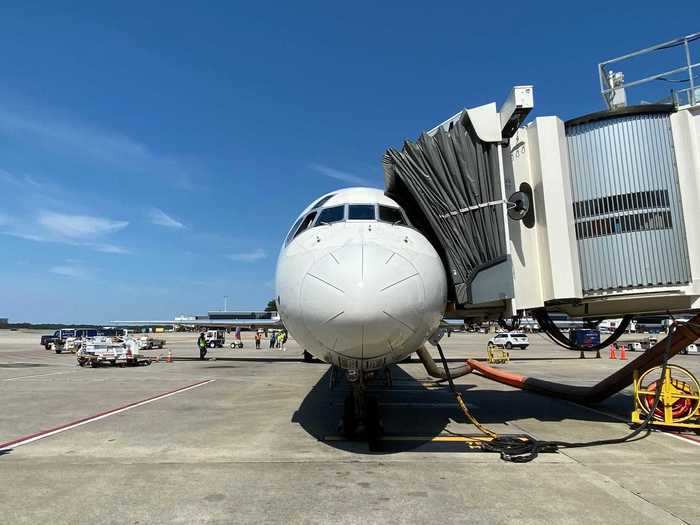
{"x":679,"y":403}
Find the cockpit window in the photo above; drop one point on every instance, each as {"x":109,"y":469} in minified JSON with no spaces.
{"x":392,"y":215}
{"x":294,"y":229}
{"x":308,"y":220}
{"x":330,"y":215}
{"x":361,"y":212}
{"x":320,"y":202}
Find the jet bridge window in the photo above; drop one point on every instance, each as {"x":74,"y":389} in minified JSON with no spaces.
{"x":361,"y":212}
{"x":331,"y":215}
{"x":308,"y":221}
{"x":392,"y":215}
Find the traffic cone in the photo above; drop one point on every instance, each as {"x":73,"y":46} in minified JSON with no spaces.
{"x":612,"y":352}
{"x":623,"y":354}
{"x":169,"y":359}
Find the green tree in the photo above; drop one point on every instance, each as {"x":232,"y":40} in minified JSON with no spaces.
{"x":271,"y":306}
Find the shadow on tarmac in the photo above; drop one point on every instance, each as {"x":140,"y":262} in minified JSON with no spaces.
{"x":416,"y":411}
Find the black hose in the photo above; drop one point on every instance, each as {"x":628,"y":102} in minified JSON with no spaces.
{"x":555,"y":334}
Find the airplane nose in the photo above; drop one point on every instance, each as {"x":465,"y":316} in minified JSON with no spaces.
{"x":362,"y":301}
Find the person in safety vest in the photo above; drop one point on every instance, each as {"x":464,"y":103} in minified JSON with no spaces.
{"x":202,"y":344}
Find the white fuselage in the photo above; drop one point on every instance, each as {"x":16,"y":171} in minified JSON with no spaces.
{"x":356,"y":285}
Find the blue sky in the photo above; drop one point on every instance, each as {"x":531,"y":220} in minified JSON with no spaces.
{"x":153,"y":155}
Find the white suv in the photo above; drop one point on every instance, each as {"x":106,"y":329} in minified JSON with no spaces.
{"x":510,"y":340}
{"x":690,"y":349}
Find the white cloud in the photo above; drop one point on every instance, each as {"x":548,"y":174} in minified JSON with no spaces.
{"x":109,"y":248}
{"x":72,"y":270}
{"x":252,"y":256}
{"x":161,"y":218}
{"x":73,"y":230}
{"x":78,"y":226}
{"x":339,"y":175}
{"x":78,"y":139}
{"x":100,"y":247}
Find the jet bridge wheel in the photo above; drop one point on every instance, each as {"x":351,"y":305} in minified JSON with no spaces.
{"x":680,"y":394}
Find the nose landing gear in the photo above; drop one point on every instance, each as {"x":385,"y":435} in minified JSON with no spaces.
{"x":361,"y":416}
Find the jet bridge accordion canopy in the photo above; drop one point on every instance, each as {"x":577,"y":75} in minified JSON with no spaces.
{"x":449,"y":184}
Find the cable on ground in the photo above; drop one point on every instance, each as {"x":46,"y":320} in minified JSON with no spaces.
{"x":523,"y":449}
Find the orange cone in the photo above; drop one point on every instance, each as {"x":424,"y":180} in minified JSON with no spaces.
{"x":623,"y":355}
{"x":169,"y":359}
{"x":612,"y":352}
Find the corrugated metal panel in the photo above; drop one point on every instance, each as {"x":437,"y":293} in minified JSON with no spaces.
{"x":627,"y":208}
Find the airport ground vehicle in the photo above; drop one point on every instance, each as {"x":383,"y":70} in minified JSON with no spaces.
{"x":584,"y":337}
{"x":58,"y":335}
{"x":510,"y":340}
{"x":111,"y":350}
{"x":150,"y":343}
{"x":690,"y":349}
{"x":79,"y":333}
{"x":640,"y":345}
{"x":215,"y":338}
{"x":70,"y":344}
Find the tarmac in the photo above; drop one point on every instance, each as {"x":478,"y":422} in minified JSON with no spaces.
{"x":251,"y":436}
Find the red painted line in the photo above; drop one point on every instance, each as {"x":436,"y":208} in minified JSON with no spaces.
{"x":77,"y":422}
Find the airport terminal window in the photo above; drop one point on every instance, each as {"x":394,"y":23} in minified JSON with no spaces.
{"x":308,"y":220}
{"x":330,"y":215}
{"x":392,"y":215}
{"x":361,"y":212}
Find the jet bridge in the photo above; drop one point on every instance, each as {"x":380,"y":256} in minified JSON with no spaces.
{"x":595,"y":217}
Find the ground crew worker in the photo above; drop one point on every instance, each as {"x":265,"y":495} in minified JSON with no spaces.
{"x":280,"y":338}
{"x":257,"y":340}
{"x":273,"y":338}
{"x":202,"y":344}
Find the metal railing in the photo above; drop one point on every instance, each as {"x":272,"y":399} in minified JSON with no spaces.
{"x":612,"y":84}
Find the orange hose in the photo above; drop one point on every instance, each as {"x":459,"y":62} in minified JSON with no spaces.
{"x":685,"y":334}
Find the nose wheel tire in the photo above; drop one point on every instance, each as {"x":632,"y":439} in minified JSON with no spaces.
{"x":349,"y":417}
{"x":373,"y":425}
{"x":369,"y":419}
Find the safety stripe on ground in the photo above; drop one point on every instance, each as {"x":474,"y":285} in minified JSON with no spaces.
{"x":24,"y":440}
{"x":17,"y":378}
{"x":693,"y":440}
{"x":661,"y":431}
